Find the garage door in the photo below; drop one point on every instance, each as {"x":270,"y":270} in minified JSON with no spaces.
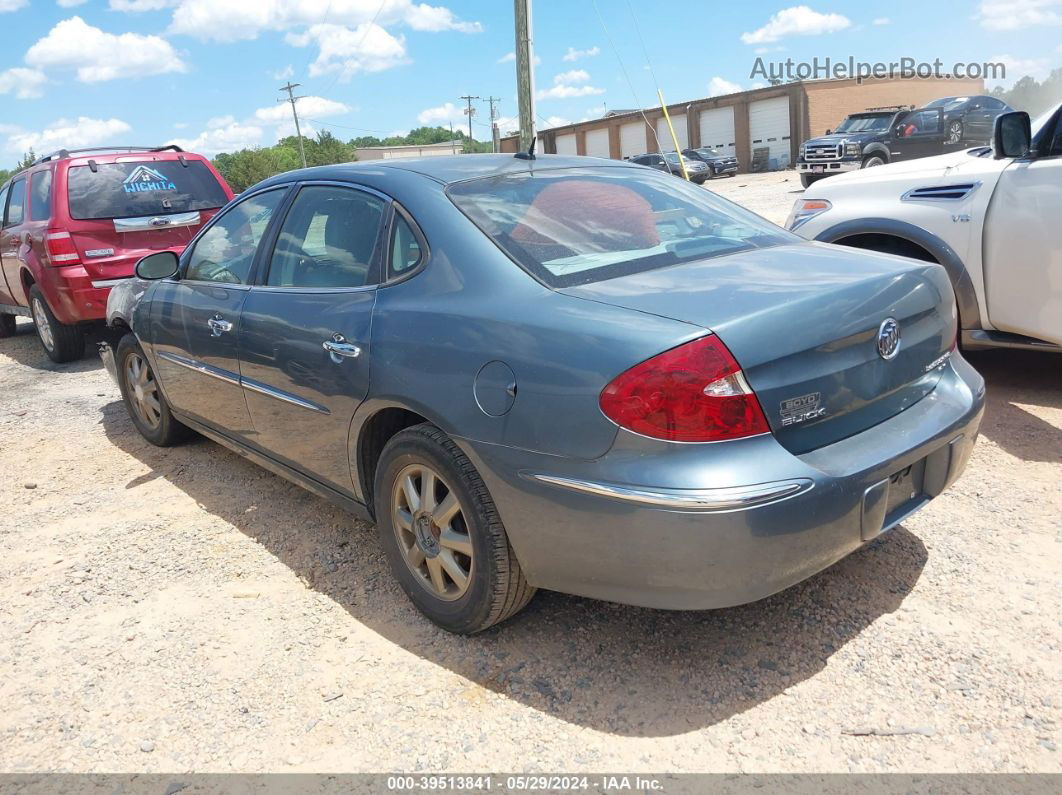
{"x":769,"y":127}
{"x":632,"y":139}
{"x":679,"y":123}
{"x":566,"y":144}
{"x":597,"y":143}
{"x":717,"y":129}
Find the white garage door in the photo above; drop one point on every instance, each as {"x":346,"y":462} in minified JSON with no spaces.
{"x":632,"y":139}
{"x":769,"y":127}
{"x":679,"y":123}
{"x":566,"y":144}
{"x":717,"y":129}
{"x":597,"y":143}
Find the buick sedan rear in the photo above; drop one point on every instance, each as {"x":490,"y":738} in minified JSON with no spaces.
{"x":558,"y":374}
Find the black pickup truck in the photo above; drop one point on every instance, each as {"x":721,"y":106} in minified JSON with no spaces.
{"x":885,"y":135}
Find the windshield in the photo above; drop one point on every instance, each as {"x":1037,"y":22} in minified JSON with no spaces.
{"x":863,"y":124}
{"x":673,"y":158}
{"x":577,"y":226}
{"x":1041,"y":120}
{"x":947,"y":103}
{"x":128,"y":190}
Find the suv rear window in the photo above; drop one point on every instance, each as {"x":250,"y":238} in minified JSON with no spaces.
{"x":128,"y":190}
{"x":578,"y":226}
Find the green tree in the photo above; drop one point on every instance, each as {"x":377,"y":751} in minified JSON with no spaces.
{"x":1031,"y":96}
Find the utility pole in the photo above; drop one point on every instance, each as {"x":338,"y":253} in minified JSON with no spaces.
{"x":493,"y":123}
{"x":470,"y":112}
{"x":525,"y":76}
{"x":298,"y":132}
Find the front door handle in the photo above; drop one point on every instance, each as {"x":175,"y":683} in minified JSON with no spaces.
{"x":339,"y":349}
{"x":218,"y":326}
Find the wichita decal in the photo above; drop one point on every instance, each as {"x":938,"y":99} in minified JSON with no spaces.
{"x":146,"y":179}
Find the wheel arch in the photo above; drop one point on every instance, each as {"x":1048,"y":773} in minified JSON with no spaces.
{"x":370,"y":435}
{"x":877,"y":148}
{"x":937,"y":250}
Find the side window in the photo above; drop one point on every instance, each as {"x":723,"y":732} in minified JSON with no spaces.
{"x":328,"y":239}
{"x":16,"y":203}
{"x":226,"y":250}
{"x":3,"y":201}
{"x":406,"y":252}
{"x":41,"y":195}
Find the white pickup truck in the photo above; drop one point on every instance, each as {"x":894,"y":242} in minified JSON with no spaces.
{"x":992,"y":216}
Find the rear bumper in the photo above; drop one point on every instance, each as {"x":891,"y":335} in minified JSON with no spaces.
{"x":634,"y":547}
{"x":72,"y":294}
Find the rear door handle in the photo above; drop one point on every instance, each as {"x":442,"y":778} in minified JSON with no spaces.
{"x":339,"y":349}
{"x":218,"y":326}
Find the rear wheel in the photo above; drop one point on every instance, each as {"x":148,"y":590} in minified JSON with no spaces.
{"x":143,"y":398}
{"x":445,"y":542}
{"x":62,"y":342}
{"x":7,"y":326}
{"x":955,"y":132}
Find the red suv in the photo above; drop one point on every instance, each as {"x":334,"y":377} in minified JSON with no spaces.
{"x":76,"y":222}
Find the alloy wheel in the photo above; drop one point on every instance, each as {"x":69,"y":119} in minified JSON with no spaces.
{"x":143,"y":390}
{"x":433,"y":538}
{"x":954,"y":132}
{"x":44,"y":328}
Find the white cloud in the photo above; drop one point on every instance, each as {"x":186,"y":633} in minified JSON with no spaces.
{"x":718,"y":86}
{"x":574,"y":76}
{"x":23,"y":83}
{"x":552,"y":121}
{"x":445,"y":112}
{"x":223,"y":134}
{"x":436,"y":18}
{"x":348,"y":51}
{"x":1019,"y":14}
{"x":796,"y":21}
{"x":12,"y":5}
{"x":574,"y":54}
{"x":83,"y":131}
{"x":1017,"y":68}
{"x":311,"y":107}
{"x":98,"y":56}
{"x":510,"y":57}
{"x":882,"y":21}
{"x":70,"y":3}
{"x":134,"y":6}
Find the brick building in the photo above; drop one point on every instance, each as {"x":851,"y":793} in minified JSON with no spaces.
{"x":775,"y":118}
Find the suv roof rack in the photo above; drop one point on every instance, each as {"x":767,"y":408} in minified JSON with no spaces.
{"x":61,"y":153}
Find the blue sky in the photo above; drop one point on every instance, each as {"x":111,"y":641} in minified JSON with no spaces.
{"x":205,"y":73}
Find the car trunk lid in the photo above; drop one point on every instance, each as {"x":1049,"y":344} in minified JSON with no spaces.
{"x":804,"y":323}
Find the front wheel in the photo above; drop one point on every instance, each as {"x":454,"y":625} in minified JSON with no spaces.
{"x":870,"y":161}
{"x":61,"y":341}
{"x":444,"y":540}
{"x":143,"y":399}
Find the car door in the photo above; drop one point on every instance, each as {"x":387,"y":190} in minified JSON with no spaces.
{"x":11,"y":240}
{"x":194,"y":318}
{"x":918,"y":134}
{"x":1023,"y":245}
{"x":979,"y":118}
{"x":305,"y":332}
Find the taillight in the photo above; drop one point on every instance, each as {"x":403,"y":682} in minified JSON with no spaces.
{"x":693,"y":393}
{"x":61,"y":250}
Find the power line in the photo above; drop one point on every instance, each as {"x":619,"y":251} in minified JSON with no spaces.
{"x":469,"y":111}
{"x":493,"y":123}
{"x":290,"y":87}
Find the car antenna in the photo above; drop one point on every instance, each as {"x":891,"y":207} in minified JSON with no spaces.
{"x":530,"y":153}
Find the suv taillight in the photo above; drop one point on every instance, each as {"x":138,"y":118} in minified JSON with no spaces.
{"x":61,"y":249}
{"x":693,"y":393}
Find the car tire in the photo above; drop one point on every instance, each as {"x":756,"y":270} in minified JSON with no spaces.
{"x":872,"y":161}
{"x":476,"y":580}
{"x":62,"y":342}
{"x":8,"y":327}
{"x":954,"y":132}
{"x":807,"y":180}
{"x":152,"y":418}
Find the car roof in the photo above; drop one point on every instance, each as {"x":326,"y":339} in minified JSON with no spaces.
{"x":448,"y":169}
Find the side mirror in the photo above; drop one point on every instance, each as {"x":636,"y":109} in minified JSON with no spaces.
{"x":160,"y":265}
{"x":829,"y":131}
{"x":1012,"y":135}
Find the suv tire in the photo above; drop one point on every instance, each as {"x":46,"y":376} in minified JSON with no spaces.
{"x":807,"y":180}
{"x":435,"y":516}
{"x":62,"y":342}
{"x":870,"y":161}
{"x":143,"y":398}
{"x":7,"y":326}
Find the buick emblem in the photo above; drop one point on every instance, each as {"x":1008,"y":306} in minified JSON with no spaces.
{"x":888,"y":338}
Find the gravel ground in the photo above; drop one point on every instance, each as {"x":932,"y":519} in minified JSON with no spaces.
{"x":179,"y":610}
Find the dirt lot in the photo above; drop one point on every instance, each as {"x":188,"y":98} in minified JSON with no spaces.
{"x":177,"y":610}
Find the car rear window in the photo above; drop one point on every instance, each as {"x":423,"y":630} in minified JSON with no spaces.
{"x":128,"y":190}
{"x":578,"y":226}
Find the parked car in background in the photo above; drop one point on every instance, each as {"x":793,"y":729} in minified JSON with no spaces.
{"x":719,"y":164}
{"x":989,"y":215}
{"x":891,"y":134}
{"x":75,"y":223}
{"x":568,"y":373}
{"x":697,"y":170}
